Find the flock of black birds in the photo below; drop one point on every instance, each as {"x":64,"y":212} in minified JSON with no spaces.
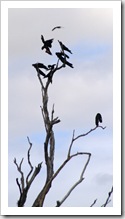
{"x":62,"y":56}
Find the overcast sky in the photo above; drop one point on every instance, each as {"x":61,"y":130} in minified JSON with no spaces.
{"x":78,"y":94}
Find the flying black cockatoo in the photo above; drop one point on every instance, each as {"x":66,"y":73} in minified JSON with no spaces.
{"x":38,"y":70}
{"x":47,"y":45}
{"x":57,"y":27}
{"x":98,"y":119}
{"x":62,"y":58}
{"x":63,"y":47}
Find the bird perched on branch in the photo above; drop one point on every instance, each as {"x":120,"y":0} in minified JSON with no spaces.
{"x":49,"y":75}
{"x":57,"y":27}
{"x":38,"y":70}
{"x":62,"y":57}
{"x":40,"y":65}
{"x":47,"y":45}
{"x":63,"y":47}
{"x":64,"y":54}
{"x":98,"y":119}
{"x":51,"y":67}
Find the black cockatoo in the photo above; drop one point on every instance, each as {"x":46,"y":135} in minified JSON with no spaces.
{"x":63,"y":47}
{"x":62,"y":58}
{"x":47,"y":44}
{"x":40,"y":65}
{"x":38,"y":70}
{"x":57,"y":27}
{"x":98,"y":119}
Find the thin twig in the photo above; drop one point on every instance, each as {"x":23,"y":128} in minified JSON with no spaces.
{"x":108,"y":198}
{"x":93,"y":203}
{"x":20,"y":171}
{"x":79,"y":136}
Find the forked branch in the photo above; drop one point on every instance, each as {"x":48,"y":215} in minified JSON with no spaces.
{"x":59,"y":203}
{"x":23,"y":189}
{"x":107,"y":200}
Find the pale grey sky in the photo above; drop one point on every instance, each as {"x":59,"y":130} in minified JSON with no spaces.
{"x":78,"y":94}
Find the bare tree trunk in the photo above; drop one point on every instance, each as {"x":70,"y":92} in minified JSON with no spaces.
{"x":49,"y":144}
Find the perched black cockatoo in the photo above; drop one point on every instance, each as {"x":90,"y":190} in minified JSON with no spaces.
{"x":63,"y":47}
{"x":38,"y":70}
{"x":64,"y":55}
{"x":62,"y":58}
{"x":49,"y":76}
{"x":57,"y":27}
{"x":51,"y":67}
{"x":98,"y":119}
{"x":47,"y":44}
{"x":40,"y":65}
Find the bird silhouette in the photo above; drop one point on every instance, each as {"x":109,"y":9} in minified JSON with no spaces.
{"x":51,"y":67}
{"x":62,"y":58}
{"x":47,"y":44}
{"x":57,"y":27}
{"x":49,"y":76}
{"x":64,"y":54}
{"x":38,"y":70}
{"x":98,"y":119}
{"x":40,"y":65}
{"x":63,"y":47}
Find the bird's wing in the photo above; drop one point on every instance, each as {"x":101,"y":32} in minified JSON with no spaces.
{"x":42,"y":38}
{"x":57,"y":27}
{"x":41,"y":65}
{"x":100,"y":118}
{"x":66,"y":48}
{"x":49,"y":43}
{"x":41,"y":72}
{"x":48,"y":51}
{"x":63,"y":60}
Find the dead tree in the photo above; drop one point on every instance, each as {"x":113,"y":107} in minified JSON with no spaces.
{"x":50,"y":121}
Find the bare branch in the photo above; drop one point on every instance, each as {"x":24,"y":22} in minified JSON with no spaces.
{"x":18,"y":185}
{"x":24,"y":189}
{"x":40,"y":199}
{"x":29,"y":162}
{"x":91,"y":130}
{"x":40,"y":80}
{"x":108,"y":198}
{"x":20,"y":171}
{"x":35,"y":173}
{"x":78,"y":182}
{"x":93,"y":203}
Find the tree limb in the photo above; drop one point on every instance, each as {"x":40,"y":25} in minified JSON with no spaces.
{"x":59,"y":203}
{"x":29,"y":162}
{"x":91,"y":130}
{"x":21,"y":173}
{"x":93,"y":203}
{"x":24,"y":188}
